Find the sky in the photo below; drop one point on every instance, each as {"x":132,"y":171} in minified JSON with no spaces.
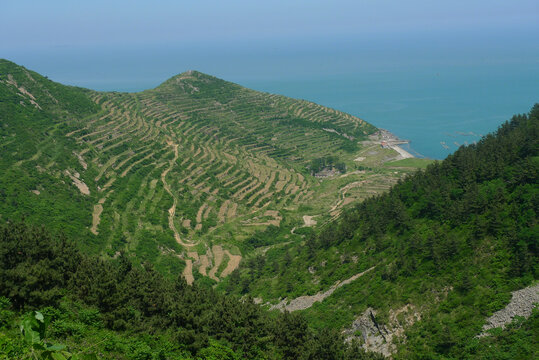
{"x":64,"y":23}
{"x":399,"y":64}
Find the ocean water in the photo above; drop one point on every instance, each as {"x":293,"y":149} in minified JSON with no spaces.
{"x":437,"y":93}
{"x":438,"y":110}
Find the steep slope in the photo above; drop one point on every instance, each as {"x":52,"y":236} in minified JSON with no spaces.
{"x":180,"y":175}
{"x":445,"y":249}
{"x":200,"y":175}
{"x":113,"y":309}
{"x":34,"y":113}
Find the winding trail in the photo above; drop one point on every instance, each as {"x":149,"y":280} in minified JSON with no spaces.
{"x":172,"y":210}
{"x":218,"y":256}
{"x":342,"y":201}
{"x":233,"y":263}
{"x":188,"y":271}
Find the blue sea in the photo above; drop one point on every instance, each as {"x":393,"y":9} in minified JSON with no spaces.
{"x":437,"y":92}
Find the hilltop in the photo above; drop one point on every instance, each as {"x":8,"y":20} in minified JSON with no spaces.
{"x":182,"y":175}
{"x":269,"y":200}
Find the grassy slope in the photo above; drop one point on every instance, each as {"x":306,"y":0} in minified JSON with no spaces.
{"x":35,"y":152}
{"x":237,"y":141}
{"x":119,"y":310}
{"x":233,"y":161}
{"x":451,"y":242}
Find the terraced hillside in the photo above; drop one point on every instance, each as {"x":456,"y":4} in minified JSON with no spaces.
{"x":181,"y":175}
{"x":423,"y":270}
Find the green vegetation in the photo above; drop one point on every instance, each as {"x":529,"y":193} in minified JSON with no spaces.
{"x":412,"y":162}
{"x":118,"y":310}
{"x":193,"y":163}
{"x":452,"y":242}
{"x":29,"y":152}
{"x":517,"y":341}
{"x":326,"y":163}
{"x":200,"y":179}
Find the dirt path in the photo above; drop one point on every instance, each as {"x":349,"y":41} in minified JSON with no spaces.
{"x":342,"y":201}
{"x":233,"y":263}
{"x":96,"y":215}
{"x":308,"y":220}
{"x":218,"y":258}
{"x":204,"y":264}
{"x":172,"y":210}
{"x":305,"y":302}
{"x":188,"y":271}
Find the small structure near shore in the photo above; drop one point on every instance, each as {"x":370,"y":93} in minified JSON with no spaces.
{"x":388,"y":140}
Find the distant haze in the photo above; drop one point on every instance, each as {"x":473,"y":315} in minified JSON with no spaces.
{"x":115,"y":39}
{"x":32,"y":23}
{"x":422,"y":69}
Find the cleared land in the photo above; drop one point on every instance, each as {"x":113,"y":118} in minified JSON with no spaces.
{"x":203,"y":162}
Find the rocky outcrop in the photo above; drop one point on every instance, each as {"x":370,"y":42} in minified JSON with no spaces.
{"x":374,"y":336}
{"x":305,"y":302}
{"x":378,"y":337}
{"x":522,"y":304}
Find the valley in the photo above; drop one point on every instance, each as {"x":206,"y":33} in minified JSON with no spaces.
{"x":198,"y":164}
{"x":201,"y":217}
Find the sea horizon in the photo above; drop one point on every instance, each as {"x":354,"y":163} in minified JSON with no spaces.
{"x":439,"y":101}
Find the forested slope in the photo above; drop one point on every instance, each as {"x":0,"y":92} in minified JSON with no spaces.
{"x":179,"y":175}
{"x":188,"y":178}
{"x":116,"y":310}
{"x":446,"y":247}
{"x":34,"y":112}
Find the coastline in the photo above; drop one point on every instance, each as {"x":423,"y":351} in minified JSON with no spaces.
{"x":403,"y":153}
{"x":388,"y":140}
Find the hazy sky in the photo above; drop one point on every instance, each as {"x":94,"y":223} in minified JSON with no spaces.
{"x":38,"y":23}
{"x":398,"y":63}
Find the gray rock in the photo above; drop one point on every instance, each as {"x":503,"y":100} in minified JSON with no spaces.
{"x":305,"y":302}
{"x":378,"y":337}
{"x":521,"y":304}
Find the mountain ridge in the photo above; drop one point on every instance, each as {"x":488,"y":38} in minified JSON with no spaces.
{"x":182,"y":174}
{"x":257,"y":195}
{"x":447,"y":247}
